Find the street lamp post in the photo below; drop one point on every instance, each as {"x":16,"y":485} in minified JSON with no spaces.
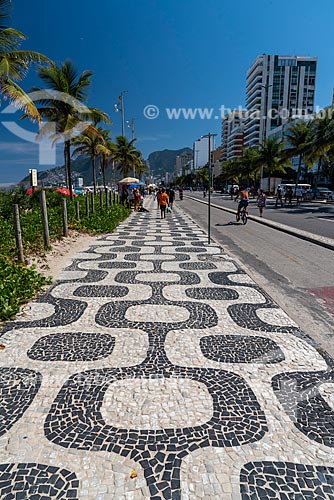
{"x":131,"y":125}
{"x":120,"y":107}
{"x":209,"y":135}
{"x":264,"y":126}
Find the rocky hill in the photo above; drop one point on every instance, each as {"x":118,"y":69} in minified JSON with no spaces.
{"x":164,"y":161}
{"x":160,"y":162}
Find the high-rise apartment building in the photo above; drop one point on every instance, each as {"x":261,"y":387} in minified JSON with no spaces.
{"x":278,"y":88}
{"x":233,"y":135}
{"x":201,"y":151}
{"x":183,"y":163}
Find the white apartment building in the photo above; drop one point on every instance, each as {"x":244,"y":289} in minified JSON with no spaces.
{"x":183,"y":163}
{"x":233,"y":134}
{"x":278,"y":88}
{"x":201,"y":151}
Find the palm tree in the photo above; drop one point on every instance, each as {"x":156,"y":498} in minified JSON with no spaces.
{"x":321,"y":141}
{"x":141,"y":168}
{"x":92,"y":141}
{"x":126,"y":155}
{"x":246,"y":166}
{"x":106,"y":156}
{"x":272,"y":158}
{"x":14,"y":64}
{"x":62,"y":104}
{"x":298,"y":139}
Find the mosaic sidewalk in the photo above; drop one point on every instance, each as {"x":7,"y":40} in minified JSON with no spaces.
{"x":155,"y":368}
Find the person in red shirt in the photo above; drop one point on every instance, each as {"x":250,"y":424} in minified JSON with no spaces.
{"x":163,"y":200}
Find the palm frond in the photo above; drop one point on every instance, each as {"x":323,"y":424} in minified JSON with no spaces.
{"x":18,"y":96}
{"x":5,"y":10}
{"x":10,"y":39}
{"x":96,"y":116}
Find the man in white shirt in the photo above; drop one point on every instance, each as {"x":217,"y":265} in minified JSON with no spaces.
{"x":298,"y":195}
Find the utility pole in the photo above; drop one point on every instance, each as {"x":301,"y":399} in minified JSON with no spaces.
{"x":131,"y":125}
{"x":264,"y":126}
{"x":209,"y":135}
{"x":120,"y":107}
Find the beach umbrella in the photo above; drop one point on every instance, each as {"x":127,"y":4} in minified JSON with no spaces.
{"x":65,"y":191}
{"x":128,"y":180}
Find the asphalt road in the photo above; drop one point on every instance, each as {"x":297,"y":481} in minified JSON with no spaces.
{"x":317,"y":218}
{"x":299,"y":275}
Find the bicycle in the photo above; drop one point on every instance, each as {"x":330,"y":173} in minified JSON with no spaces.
{"x":242,"y":216}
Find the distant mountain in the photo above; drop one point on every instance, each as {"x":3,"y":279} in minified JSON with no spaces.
{"x":164,"y":161}
{"x":80,"y":167}
{"x":160,"y":162}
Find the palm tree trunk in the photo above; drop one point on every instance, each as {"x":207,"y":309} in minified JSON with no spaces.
{"x":94,"y":174}
{"x":67,"y":151}
{"x":103,"y":168}
{"x":299,"y":169}
{"x":317,"y":176}
{"x":65,"y":166}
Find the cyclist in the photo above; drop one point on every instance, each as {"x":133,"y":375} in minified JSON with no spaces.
{"x":244,"y":197}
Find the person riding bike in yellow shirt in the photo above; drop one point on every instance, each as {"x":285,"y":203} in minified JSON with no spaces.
{"x":244,"y":200}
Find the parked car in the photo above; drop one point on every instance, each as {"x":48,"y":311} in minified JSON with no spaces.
{"x":323,"y":194}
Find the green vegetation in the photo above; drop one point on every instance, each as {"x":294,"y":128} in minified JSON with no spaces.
{"x":312,"y":142}
{"x":14,"y":63}
{"x":18,"y":283}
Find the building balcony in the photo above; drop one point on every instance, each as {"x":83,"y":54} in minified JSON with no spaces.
{"x":257,"y":67}
{"x":254,"y":101}
{"x":256,"y":82}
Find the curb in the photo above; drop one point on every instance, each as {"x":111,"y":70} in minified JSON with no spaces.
{"x":298,"y":233}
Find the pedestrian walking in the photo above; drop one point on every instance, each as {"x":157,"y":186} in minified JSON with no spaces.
{"x":171,"y":198}
{"x":124,"y":195}
{"x":163,"y":200}
{"x":137,"y":196}
{"x":279,"y":197}
{"x":298,"y":195}
{"x":289,"y":196}
{"x":131,"y":198}
{"x":261,"y":201}
{"x":158,"y":198}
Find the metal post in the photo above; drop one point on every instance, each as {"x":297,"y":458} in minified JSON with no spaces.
{"x":122,"y":111}
{"x":121,"y":98}
{"x":107,"y":198}
{"x":45,"y":222}
{"x":64,"y":214}
{"x":101,"y":199}
{"x":92,"y":199}
{"x":264,"y":127}
{"x":87,"y":205}
{"x":209,"y":200}
{"x":209,"y":135}
{"x":18,"y":233}
{"x":77,"y":211}
{"x":131,"y":125}
{"x":110,"y":198}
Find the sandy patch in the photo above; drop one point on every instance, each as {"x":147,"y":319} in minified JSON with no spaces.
{"x":62,"y":253}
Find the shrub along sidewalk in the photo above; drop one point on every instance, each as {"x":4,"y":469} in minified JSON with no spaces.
{"x":19,"y":282}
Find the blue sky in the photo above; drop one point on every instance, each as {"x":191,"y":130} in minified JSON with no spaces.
{"x":170,"y":53}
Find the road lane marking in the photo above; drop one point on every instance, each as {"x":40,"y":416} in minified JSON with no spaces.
{"x":287,"y":255}
{"x":327,"y":220}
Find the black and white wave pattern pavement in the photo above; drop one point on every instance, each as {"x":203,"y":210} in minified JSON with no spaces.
{"x":155,"y":368}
